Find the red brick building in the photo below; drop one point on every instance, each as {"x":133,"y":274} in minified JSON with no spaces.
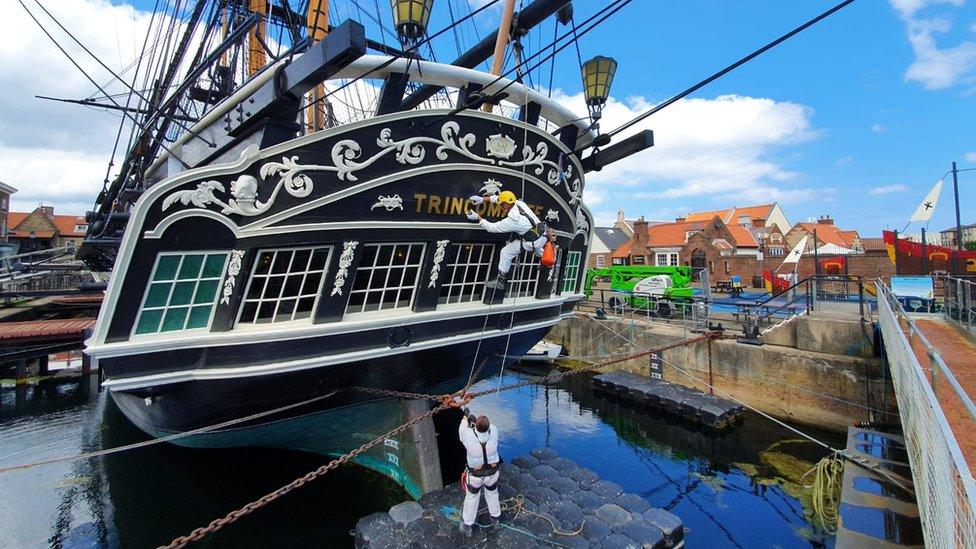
{"x":42,"y":229}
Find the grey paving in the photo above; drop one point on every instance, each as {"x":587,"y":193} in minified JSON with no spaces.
{"x":560,"y":495}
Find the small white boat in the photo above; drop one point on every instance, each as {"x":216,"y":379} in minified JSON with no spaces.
{"x":542,"y":351}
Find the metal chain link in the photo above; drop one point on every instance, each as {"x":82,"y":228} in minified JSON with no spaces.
{"x":199,"y":533}
{"x":399,"y":394}
{"x":447,"y":403}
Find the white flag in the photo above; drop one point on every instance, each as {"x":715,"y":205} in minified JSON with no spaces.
{"x":797,"y":251}
{"x":925,"y":209}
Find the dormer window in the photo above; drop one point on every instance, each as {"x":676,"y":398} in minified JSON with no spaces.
{"x":81,"y":228}
{"x":745,"y":221}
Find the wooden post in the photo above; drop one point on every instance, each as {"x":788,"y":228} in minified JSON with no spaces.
{"x":42,"y":365}
{"x":317,"y":25}
{"x":422,"y":438}
{"x":256,"y":57}
{"x":20,"y":375}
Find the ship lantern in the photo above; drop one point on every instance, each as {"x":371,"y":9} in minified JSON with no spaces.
{"x":410,"y":18}
{"x":597,"y":79}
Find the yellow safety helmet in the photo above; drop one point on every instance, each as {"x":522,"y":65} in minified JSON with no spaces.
{"x":506,"y":197}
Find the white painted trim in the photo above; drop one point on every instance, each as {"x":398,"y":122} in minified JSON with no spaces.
{"x":249,"y":157}
{"x":199,"y":374}
{"x":405,"y":174}
{"x":264,"y":333}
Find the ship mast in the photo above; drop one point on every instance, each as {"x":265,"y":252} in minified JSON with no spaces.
{"x":256,"y":58}
{"x":504,"y":30}
{"x":317,"y":25}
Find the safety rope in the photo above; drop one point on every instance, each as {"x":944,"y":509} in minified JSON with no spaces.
{"x":825,"y":490}
{"x":516,"y":506}
{"x":167,"y":438}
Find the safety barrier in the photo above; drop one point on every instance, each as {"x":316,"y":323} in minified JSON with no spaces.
{"x":960,"y":302}
{"x":944,"y":486}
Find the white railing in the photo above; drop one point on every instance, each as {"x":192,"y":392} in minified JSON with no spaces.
{"x":944,"y":486}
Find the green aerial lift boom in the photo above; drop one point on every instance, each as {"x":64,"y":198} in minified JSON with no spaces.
{"x":647,"y":287}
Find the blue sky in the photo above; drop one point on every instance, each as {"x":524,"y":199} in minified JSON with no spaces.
{"x":856,"y":117}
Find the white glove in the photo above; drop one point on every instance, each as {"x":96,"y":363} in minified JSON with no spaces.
{"x":473,"y":215}
{"x":476,"y":200}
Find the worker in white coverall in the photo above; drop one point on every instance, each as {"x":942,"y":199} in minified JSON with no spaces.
{"x":520,"y":221}
{"x":480,"y":440}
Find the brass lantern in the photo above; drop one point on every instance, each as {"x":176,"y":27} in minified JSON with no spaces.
{"x":597,"y":79}
{"x":410,"y":18}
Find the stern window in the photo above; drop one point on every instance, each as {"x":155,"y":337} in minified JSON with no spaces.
{"x":524,"y":275}
{"x":468,"y":273}
{"x":284,"y":285}
{"x":181,"y":293}
{"x":386,"y":278}
{"x":572,"y":271}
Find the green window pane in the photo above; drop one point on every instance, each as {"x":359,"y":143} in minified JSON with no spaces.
{"x":149,"y":322}
{"x":199,"y":317}
{"x":175,"y":319}
{"x":214,"y":266}
{"x":206,"y":291}
{"x":182,"y":293}
{"x":191,"y":267}
{"x":166,"y":268}
{"x":158,"y":294}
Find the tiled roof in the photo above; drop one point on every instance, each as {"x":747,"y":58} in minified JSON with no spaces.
{"x":669,"y":235}
{"x":731,"y":216}
{"x":828,"y":233}
{"x":623,"y":251}
{"x":722,"y":244}
{"x":610,"y":236}
{"x":742,"y":236}
{"x":871,"y":244}
{"x":65,"y":224}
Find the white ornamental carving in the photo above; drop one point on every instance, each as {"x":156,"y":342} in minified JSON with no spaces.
{"x":435,"y":272}
{"x":500,"y":146}
{"x":490,"y":187}
{"x":345,"y":261}
{"x":292,"y":176}
{"x":390,"y":203}
{"x":582,"y":225}
{"x":552,"y":215}
{"x":233,"y":269}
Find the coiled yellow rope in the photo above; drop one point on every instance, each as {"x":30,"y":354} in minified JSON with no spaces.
{"x":826,"y":490}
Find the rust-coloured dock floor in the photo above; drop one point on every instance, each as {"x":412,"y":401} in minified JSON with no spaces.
{"x":42,"y":330}
{"x":959,"y":354}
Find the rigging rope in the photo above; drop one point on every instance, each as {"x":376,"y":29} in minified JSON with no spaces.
{"x":167,"y":438}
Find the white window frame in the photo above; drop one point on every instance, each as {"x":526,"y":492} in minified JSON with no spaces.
{"x":524,"y":275}
{"x":601,"y":261}
{"x":415,"y":287}
{"x":165,"y":308}
{"x":660,"y":259}
{"x":264,"y":277}
{"x":457,"y":290}
{"x":571,"y":275}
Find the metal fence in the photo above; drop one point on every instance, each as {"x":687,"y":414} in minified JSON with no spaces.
{"x":944,"y":486}
{"x":960,"y":301}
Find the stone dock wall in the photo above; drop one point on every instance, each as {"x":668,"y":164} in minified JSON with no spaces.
{"x":811,"y":371}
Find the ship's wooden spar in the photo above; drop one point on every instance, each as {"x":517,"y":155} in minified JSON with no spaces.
{"x":501,"y":42}
{"x":256,"y":58}
{"x":317,"y":24}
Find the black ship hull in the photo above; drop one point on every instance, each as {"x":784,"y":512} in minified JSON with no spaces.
{"x":332,"y":426}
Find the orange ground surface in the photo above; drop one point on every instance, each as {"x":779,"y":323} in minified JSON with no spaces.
{"x":44,"y":329}
{"x":959,"y":354}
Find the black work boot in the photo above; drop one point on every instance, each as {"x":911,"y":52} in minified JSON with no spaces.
{"x":466,"y":530}
{"x":499,"y":283}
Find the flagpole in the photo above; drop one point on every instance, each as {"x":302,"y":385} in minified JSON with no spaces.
{"x":924,"y":257}
{"x":955,"y":192}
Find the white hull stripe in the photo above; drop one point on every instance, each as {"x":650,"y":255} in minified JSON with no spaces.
{"x":130,"y":383}
{"x":244,"y":335}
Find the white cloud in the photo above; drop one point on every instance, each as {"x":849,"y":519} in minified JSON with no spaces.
{"x":878,"y":128}
{"x":844,"y":160}
{"x":888,"y":189}
{"x":970,"y":156}
{"x":935,"y":67}
{"x":720,"y":147}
